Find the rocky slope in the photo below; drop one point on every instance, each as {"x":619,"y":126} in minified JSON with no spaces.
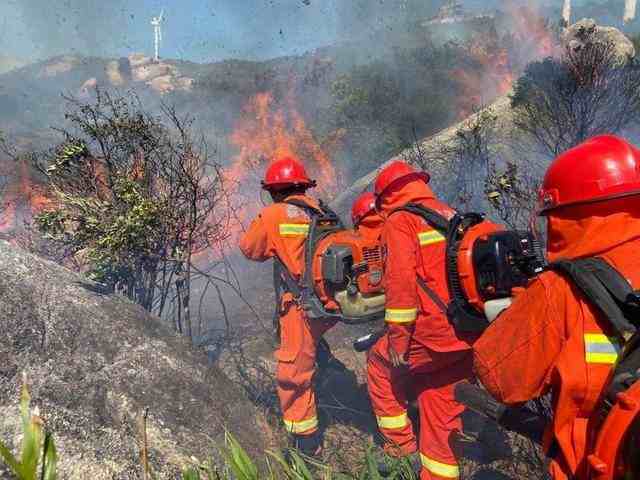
{"x":94,"y":363}
{"x":576,"y":36}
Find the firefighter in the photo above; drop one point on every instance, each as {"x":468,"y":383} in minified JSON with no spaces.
{"x":366,"y":221}
{"x":388,"y":385}
{"x":420,"y":336}
{"x":279,"y":232}
{"x":551,"y":339}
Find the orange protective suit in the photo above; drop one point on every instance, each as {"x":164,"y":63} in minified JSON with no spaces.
{"x":370,"y":226}
{"x":388,"y":386}
{"x":390,"y":391}
{"x":551,"y":339}
{"x":280,"y":231}
{"x":438,"y":357}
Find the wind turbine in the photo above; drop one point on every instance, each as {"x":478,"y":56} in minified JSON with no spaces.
{"x":157,"y":32}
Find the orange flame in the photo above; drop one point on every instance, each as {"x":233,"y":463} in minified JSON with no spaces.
{"x":23,"y":200}
{"x":266,"y":132}
{"x":529,"y":40}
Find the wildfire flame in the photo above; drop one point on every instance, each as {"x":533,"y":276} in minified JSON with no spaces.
{"x":502,"y":60}
{"x":267,"y":132}
{"x":23,"y":199}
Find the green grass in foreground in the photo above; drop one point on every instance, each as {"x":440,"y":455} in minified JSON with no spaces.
{"x":38,"y":459}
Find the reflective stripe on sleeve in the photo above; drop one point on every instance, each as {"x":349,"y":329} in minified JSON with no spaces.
{"x":430,"y":237}
{"x":400,"y":315}
{"x":301,"y":426}
{"x":438,"y":468}
{"x":393,"y":423}
{"x":293,"y":229}
{"x":599,"y":348}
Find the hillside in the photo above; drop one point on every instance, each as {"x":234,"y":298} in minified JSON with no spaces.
{"x":95,"y":362}
{"x":8,"y":63}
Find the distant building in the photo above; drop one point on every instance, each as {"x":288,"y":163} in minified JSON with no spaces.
{"x":453,"y":12}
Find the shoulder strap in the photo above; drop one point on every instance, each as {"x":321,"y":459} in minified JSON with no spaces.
{"x":310,"y":209}
{"x":322,"y":210}
{"x":440,"y":223}
{"x":605,"y":288}
{"x":433,"y":218}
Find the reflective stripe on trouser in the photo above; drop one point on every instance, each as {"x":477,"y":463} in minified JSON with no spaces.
{"x":388,"y":390}
{"x":400,"y":315}
{"x":599,"y":348}
{"x":440,"y":469}
{"x":301,"y":426}
{"x":393,"y":423}
{"x":436,"y":375}
{"x":296,"y":366}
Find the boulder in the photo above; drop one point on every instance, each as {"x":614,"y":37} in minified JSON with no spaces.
{"x":151,"y":71}
{"x":586,"y":32}
{"x":138,"y":59}
{"x":95,"y":362}
{"x":113,"y":73}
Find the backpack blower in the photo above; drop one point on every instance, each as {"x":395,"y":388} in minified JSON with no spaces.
{"x":342,"y":278}
{"x":484,"y":263}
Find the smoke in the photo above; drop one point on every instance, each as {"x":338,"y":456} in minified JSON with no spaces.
{"x":566,"y":12}
{"x":628,"y":16}
{"x":88,"y":27}
{"x":629,"y":10}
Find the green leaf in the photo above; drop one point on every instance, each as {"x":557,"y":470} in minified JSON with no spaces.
{"x":191,"y":474}
{"x":31,"y":446}
{"x":238,"y":460}
{"x":8,"y":458}
{"x":286,"y":468}
{"x":299,"y":466}
{"x":372,"y":467}
{"x":25,"y":400}
{"x":50,"y":459}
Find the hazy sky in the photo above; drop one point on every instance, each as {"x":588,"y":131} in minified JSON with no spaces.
{"x":199,"y":30}
{"x":194,"y":29}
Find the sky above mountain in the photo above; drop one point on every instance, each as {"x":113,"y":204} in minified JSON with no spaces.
{"x":202,"y":30}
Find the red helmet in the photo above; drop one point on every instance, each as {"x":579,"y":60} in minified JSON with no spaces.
{"x":363,"y":206}
{"x":395,"y":171}
{"x":601,"y":168}
{"x":286,"y":172}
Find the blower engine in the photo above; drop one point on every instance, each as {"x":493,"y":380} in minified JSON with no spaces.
{"x":347,"y":274}
{"x":342,"y":278}
{"x":485,"y":263}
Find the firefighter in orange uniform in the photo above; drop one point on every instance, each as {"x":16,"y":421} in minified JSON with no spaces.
{"x":551,"y":339}
{"x":419,"y":333}
{"x":279,"y":232}
{"x":388,"y":385}
{"x":366,"y":221}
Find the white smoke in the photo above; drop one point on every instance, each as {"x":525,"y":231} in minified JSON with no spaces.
{"x":566,"y":12}
{"x":629,"y":10}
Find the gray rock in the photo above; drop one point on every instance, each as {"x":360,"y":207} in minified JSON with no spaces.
{"x":586,"y":31}
{"x":94,"y":363}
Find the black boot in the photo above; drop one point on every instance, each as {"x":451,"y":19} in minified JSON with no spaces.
{"x":325,"y":359}
{"x":308,"y":445}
